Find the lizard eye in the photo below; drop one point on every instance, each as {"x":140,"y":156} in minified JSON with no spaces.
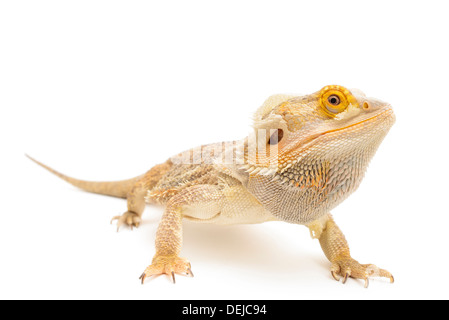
{"x":334,"y":99}
{"x":276,"y":137}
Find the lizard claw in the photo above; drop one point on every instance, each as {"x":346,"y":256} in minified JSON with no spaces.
{"x":335,"y":275}
{"x":129,"y":218}
{"x":366,"y":283}
{"x":346,"y":277}
{"x":142,"y":277}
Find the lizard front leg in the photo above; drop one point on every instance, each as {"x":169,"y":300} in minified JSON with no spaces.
{"x":336,"y":249}
{"x":202,"y":202}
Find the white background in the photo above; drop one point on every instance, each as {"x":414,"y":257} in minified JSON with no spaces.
{"x":103,"y":90}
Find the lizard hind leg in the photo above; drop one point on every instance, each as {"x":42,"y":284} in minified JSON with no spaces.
{"x":137,"y":193}
{"x":136,"y":206}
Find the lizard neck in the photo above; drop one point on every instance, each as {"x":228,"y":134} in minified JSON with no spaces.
{"x":317,"y":182}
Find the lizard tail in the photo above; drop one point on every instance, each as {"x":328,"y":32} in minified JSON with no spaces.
{"x":118,"y":189}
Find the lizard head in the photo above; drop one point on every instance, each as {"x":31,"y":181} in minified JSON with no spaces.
{"x":332,"y":123}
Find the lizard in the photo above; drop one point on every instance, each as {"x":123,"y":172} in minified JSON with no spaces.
{"x":304,"y":156}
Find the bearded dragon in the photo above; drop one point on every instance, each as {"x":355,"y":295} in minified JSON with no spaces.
{"x":306,"y":155}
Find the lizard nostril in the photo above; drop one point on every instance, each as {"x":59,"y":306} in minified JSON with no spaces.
{"x":366,"y":105}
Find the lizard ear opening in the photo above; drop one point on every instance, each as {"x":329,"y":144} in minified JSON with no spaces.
{"x":276,"y":137}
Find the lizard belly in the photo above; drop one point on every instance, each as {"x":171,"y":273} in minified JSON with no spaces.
{"x":236,"y":206}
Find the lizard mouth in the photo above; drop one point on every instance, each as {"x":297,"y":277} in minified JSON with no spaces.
{"x":382,"y":115}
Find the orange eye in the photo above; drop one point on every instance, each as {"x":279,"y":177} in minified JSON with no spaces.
{"x":334,"y":99}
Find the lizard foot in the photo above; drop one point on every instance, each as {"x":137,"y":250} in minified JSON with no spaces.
{"x":348,"y":267}
{"x":168,"y":265}
{"x":129,"y":218}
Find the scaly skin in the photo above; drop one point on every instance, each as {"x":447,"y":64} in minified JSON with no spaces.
{"x":307,"y":154}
